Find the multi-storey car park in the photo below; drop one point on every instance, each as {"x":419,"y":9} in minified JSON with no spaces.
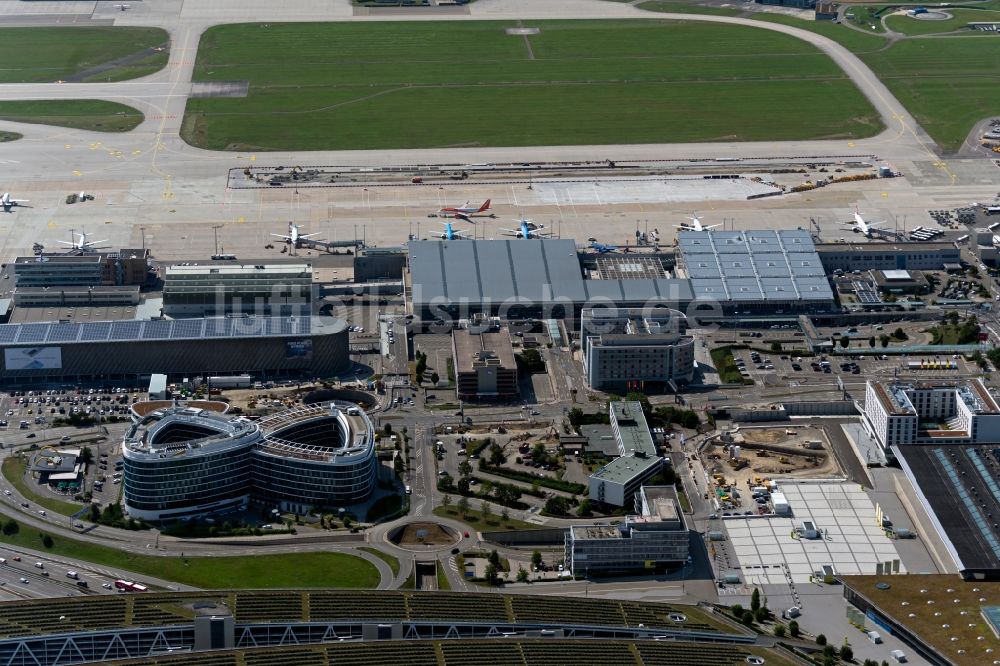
{"x":186,"y":461}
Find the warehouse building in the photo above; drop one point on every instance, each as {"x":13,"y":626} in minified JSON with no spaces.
{"x":638,"y":460}
{"x":126,"y":267}
{"x":863,"y":257}
{"x":655,"y":538}
{"x":635,"y":349}
{"x":72,"y":296}
{"x":265,"y":290}
{"x":265,"y":347}
{"x":902,"y":413}
{"x":485,"y":367}
{"x":185,"y":461}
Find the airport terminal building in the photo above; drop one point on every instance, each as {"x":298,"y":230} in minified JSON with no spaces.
{"x":265,"y":347}
{"x":187,"y":461}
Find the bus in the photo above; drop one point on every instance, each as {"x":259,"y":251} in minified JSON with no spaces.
{"x":129,"y":586}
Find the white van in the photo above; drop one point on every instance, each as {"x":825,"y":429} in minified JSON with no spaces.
{"x":898,"y":656}
{"x":874,"y":637}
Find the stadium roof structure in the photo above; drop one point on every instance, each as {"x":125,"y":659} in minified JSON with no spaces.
{"x":176,"y":329}
{"x":753,"y":266}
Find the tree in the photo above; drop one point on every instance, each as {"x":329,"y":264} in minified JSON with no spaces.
{"x":47,"y":541}
{"x":883,"y":340}
{"x":776,"y":347}
{"x":463,"y":485}
{"x":845,"y":341}
{"x":762,"y":614}
{"x":495,"y":558}
{"x":846,"y":653}
{"x":793,"y":629}
{"x":10,"y":528}
{"x":829,"y":651}
{"x":755,"y":600}
{"x":387,"y":428}
{"x":737,"y":610}
{"x":536,"y":558}
{"x":86,"y":455}
{"x":522,"y":575}
{"x":556,"y":506}
{"x":779,"y":630}
{"x":497,"y":458}
{"x":747,"y":618}
{"x":491,"y":574}
{"x":538,"y":453}
{"x":584,"y":509}
{"x":487,"y":513}
{"x":871,"y":342}
{"x":870,"y":662}
{"x":463,"y":506}
{"x":446,"y":501}
{"x":505,"y":516}
{"x":465,"y":469}
{"x":820,"y":639}
{"x":435,"y":378}
{"x":900,"y":334}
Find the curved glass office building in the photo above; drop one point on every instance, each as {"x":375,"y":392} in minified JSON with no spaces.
{"x":315,"y":456}
{"x":185,"y":461}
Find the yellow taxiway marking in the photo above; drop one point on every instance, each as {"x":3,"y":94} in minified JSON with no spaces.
{"x":77,"y":173}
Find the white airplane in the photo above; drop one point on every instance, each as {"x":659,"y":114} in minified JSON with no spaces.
{"x":464,"y":212}
{"x":696,"y":225}
{"x":526,"y":230}
{"x":860,"y":226}
{"x":9,"y":203}
{"x":293,"y":237}
{"x":450,"y":233}
{"x":82,"y":243}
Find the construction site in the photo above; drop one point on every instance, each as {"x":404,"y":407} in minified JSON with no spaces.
{"x":747,"y":464}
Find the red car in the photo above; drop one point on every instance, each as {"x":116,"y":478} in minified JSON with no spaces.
{"x":466,"y":535}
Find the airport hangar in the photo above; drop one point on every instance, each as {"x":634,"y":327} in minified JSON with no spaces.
{"x":262,"y":346}
{"x":720,"y":274}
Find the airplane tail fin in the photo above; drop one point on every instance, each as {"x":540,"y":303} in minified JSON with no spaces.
{"x":485,"y":206}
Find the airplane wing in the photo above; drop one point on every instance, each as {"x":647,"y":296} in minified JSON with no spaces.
{"x":67,"y":243}
{"x":282,"y":236}
{"x":460,"y":234}
{"x":97,"y":242}
{"x":463,"y":216}
{"x":308,"y":235}
{"x":511,"y":232}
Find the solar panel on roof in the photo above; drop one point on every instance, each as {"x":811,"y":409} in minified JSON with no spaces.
{"x":33,"y":333}
{"x":8,"y":332}
{"x":187,"y":328}
{"x":973,"y":512}
{"x":126,"y":330}
{"x":63,"y":332}
{"x":156,"y":330}
{"x":99,"y":330}
{"x":216,"y":327}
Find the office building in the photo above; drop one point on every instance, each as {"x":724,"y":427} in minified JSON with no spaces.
{"x":266,"y":290}
{"x":635,"y":349}
{"x":900,"y":413}
{"x":126,"y":267}
{"x":638,"y":460}
{"x":863,"y":257}
{"x":484,"y":362}
{"x":186,"y":461}
{"x":655,"y":538}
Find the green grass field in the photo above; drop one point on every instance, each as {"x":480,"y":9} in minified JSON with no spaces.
{"x":680,"y":7}
{"x":308,"y":569}
{"x":856,"y":41}
{"x":87,"y":114}
{"x":10,"y":136}
{"x":33,"y":55}
{"x":406,"y":85}
{"x":947,"y":83}
{"x":959,"y":18}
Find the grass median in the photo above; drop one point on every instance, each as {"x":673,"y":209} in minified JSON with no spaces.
{"x":85,"y":114}
{"x":14,"y":470}
{"x":292,"y":570}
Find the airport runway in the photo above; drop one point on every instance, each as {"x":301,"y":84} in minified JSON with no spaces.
{"x":154,"y":190}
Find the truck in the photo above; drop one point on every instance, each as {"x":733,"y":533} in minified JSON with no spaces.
{"x":231,"y":382}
